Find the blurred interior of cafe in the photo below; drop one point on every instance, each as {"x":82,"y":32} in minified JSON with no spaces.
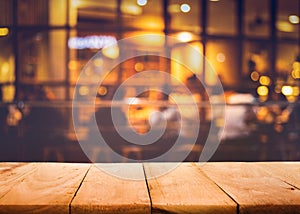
{"x":252,"y":45}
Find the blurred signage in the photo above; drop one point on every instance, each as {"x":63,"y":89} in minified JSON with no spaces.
{"x":91,"y":42}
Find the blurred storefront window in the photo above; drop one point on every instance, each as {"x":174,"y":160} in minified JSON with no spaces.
{"x":222,"y":17}
{"x":257,"y":22}
{"x":185,"y":15}
{"x":288,"y":19}
{"x":142,"y":14}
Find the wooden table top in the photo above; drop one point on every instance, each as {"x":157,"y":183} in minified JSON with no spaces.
{"x":224,"y":187}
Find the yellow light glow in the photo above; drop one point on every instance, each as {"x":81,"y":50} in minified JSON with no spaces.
{"x":72,"y":65}
{"x":4,"y":31}
{"x":75,"y":3}
{"x":185,"y":37}
{"x":111,"y":52}
{"x":131,"y":9}
{"x":83,"y":90}
{"x":265,"y":80}
{"x":102,"y":91}
{"x":287,"y":90}
{"x":294,"y":19}
{"x":254,"y":75}
{"x":214,"y":0}
{"x":139,"y":66}
{"x":296,"y":91}
{"x":174,"y":8}
{"x":262,"y":90}
{"x":185,"y":8}
{"x":285,"y":26}
{"x":4,"y":68}
{"x":141,"y":2}
{"x":221,"y":57}
{"x":98,"y":62}
{"x":296,"y":74}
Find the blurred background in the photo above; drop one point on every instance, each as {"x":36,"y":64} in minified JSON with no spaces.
{"x":253,"y":45}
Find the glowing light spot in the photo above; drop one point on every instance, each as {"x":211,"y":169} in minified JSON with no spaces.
{"x":141,"y":2}
{"x":285,"y":26}
{"x":102,"y":91}
{"x":254,"y":75}
{"x":296,"y":74}
{"x":221,"y":57}
{"x":111,"y":52}
{"x":4,"y":68}
{"x":98,"y":62}
{"x":294,"y":19}
{"x":174,"y":8}
{"x":265,"y":80}
{"x":262,"y":90}
{"x":4,"y":31}
{"x":296,"y":91}
{"x":83,"y":90}
{"x":139,"y":66}
{"x":185,"y":8}
{"x":185,"y":36}
{"x":287,"y":90}
{"x":72,"y":65}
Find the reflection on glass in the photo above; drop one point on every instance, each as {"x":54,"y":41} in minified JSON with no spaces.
{"x":149,"y":16}
{"x":185,"y":21}
{"x":257,"y":18}
{"x":222,"y":18}
{"x":288,"y":19}
{"x":223,"y":56}
{"x":42,"y":56}
{"x":95,"y":13}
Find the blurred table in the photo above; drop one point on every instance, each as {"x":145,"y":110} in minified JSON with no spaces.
{"x":232,"y":187}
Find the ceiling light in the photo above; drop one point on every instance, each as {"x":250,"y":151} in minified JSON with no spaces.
{"x":185,"y":37}
{"x":185,"y":8}
{"x":141,"y":2}
{"x":294,"y":19}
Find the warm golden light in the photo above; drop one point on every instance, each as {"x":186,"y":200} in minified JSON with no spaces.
{"x":174,"y":8}
{"x":83,"y":90}
{"x":221,"y":57}
{"x":139,"y":66}
{"x":294,"y":19}
{"x":102,"y":91}
{"x":287,"y":90}
{"x":285,"y":26}
{"x":111,"y":52}
{"x":265,"y":80}
{"x":131,"y":9}
{"x":185,"y":37}
{"x":254,"y":75}
{"x":262,"y":90}
{"x":296,"y":91}
{"x":72,"y":65}
{"x":185,"y":8}
{"x":4,"y":31}
{"x":98,"y":62}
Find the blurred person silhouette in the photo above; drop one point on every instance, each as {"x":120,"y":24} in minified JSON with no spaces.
{"x":44,"y":123}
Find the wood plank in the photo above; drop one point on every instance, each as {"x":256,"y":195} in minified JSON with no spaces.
{"x":185,"y":190}
{"x":49,"y":188}
{"x":101,"y":192}
{"x":11,"y":174}
{"x":255,"y":190}
{"x":286,"y":171}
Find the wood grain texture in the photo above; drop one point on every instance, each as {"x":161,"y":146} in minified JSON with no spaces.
{"x":47,"y":188}
{"x":254,"y":189}
{"x":286,"y":171}
{"x":101,"y":192}
{"x":185,"y":190}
